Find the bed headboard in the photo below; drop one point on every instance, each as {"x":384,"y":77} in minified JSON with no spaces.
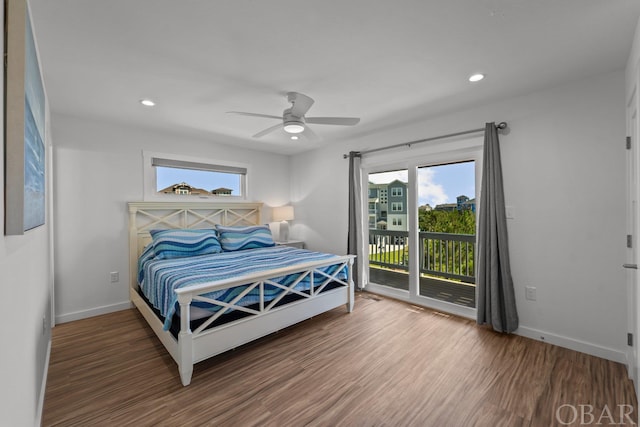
{"x":146,"y":216}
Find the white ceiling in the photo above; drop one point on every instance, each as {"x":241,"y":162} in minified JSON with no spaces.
{"x":388,"y":62}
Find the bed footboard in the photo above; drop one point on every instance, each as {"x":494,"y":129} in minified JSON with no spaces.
{"x":204,"y":342}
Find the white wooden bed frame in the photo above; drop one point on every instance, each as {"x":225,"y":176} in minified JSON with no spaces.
{"x":194,"y":346}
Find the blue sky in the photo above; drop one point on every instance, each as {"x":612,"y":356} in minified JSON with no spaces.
{"x":200,"y":179}
{"x":437,"y":184}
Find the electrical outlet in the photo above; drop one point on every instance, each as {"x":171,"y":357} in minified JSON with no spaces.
{"x":115,"y":277}
{"x":530,"y":293}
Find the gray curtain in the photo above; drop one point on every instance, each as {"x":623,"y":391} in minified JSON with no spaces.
{"x":355,"y":193}
{"x":496,"y":298}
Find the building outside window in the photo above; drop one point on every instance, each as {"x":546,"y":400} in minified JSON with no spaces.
{"x":383,"y":196}
{"x":396,"y":206}
{"x":169,"y":176}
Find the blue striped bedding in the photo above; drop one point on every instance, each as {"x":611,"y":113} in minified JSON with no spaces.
{"x":158,"y":278}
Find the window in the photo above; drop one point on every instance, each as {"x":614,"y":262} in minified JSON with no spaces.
{"x":396,"y":192}
{"x":383,"y":196}
{"x":171,"y":176}
{"x":396,"y":206}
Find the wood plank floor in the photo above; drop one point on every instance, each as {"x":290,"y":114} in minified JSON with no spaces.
{"x":386,"y":364}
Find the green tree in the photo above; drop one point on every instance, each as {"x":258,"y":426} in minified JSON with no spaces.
{"x":455,"y":222}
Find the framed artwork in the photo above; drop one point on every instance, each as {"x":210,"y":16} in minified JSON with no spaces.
{"x":24,"y":135}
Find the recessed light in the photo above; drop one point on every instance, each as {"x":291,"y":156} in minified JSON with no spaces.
{"x":147,"y":102}
{"x":476,"y":77}
{"x":295,"y":138}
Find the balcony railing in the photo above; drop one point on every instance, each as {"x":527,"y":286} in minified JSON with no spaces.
{"x":446,"y":255}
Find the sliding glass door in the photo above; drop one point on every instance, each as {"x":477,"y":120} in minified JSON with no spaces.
{"x":421,"y":222}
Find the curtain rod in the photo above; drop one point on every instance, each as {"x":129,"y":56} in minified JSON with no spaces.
{"x":501,"y":125}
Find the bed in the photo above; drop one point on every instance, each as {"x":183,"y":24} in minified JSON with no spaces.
{"x":211,"y":301}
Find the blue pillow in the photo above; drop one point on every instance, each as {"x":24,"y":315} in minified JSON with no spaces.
{"x":180,"y":243}
{"x":249,"y":237}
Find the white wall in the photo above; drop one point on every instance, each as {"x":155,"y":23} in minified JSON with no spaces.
{"x":633,"y":129}
{"x":25,"y":304}
{"x":98,"y":169}
{"x":24,"y":268}
{"x":563,"y":163}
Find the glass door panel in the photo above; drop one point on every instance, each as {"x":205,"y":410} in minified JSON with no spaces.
{"x":388,"y":225}
{"x":446,"y":237}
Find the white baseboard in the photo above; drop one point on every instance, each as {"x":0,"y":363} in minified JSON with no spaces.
{"x":43,"y":387}
{"x":559,"y":340}
{"x":573,"y":344}
{"x":83,"y":314}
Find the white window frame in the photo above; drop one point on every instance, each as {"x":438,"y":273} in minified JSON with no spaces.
{"x":396,"y":192}
{"x":394,"y":205}
{"x":150,"y":182}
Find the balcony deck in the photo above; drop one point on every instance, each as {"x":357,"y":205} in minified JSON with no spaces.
{"x":446,"y":264}
{"x":443,"y":290}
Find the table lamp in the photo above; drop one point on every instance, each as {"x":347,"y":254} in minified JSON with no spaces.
{"x":283,"y":214}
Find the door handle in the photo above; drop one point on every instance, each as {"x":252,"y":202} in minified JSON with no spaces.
{"x":632,"y":266}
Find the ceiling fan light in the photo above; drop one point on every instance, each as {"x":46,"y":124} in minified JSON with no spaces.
{"x":293,"y":128}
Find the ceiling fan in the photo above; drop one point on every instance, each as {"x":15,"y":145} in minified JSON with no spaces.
{"x":294,"y":120}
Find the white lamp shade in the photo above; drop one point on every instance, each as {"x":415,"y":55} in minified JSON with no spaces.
{"x":283,"y":213}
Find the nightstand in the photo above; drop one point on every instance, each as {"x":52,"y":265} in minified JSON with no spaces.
{"x":293,"y":243}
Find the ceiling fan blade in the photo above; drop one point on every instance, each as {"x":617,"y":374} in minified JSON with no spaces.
{"x":267,"y":130}
{"x":340,"y":121}
{"x":301,"y":103}
{"x":242,"y":113}
{"x":309,"y":134}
